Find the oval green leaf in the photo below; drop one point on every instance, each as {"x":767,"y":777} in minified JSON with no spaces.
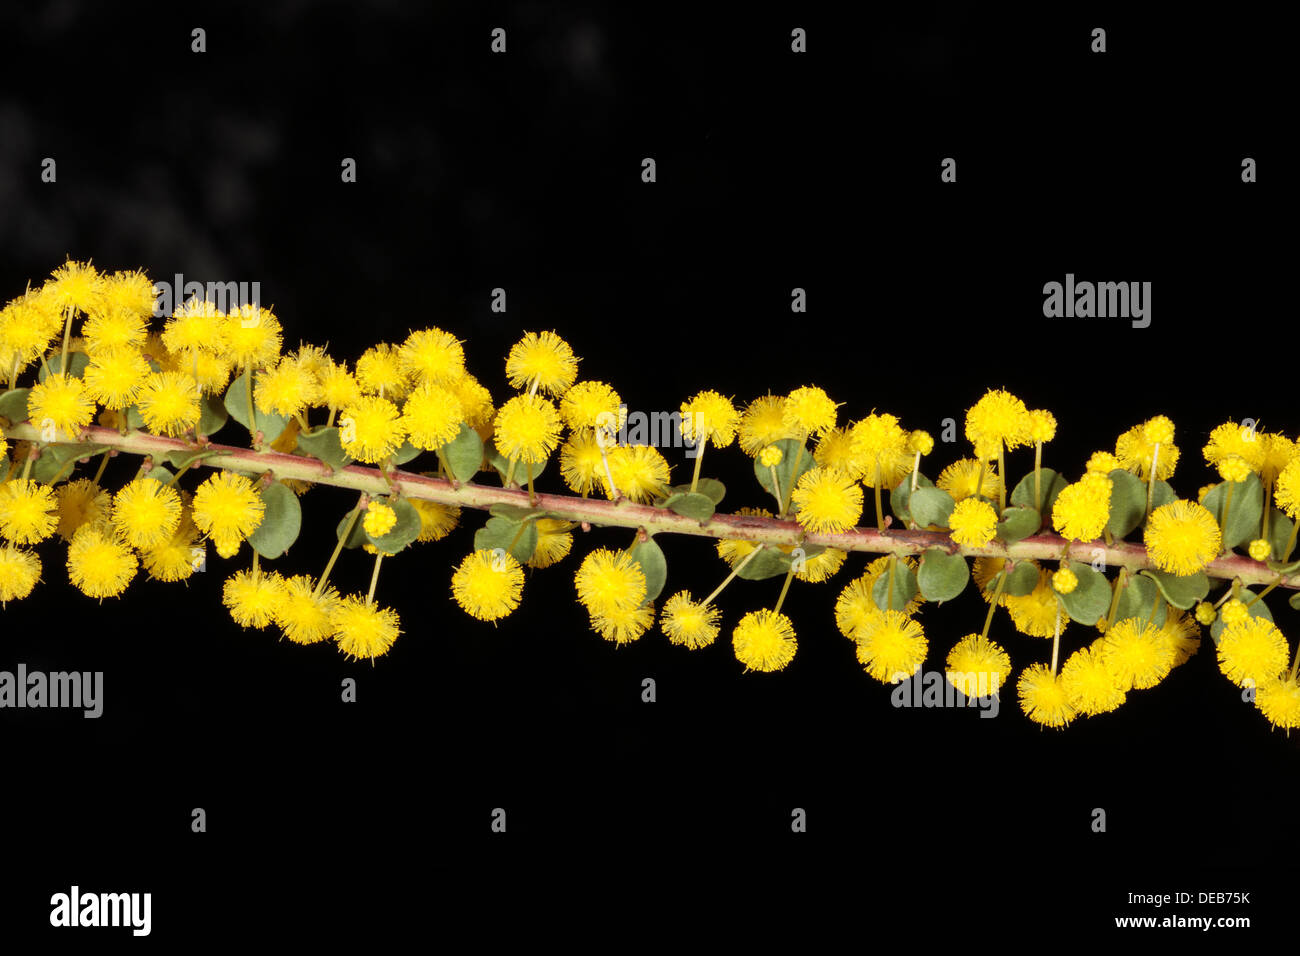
{"x":464,"y":453}
{"x":931,"y":506}
{"x":650,"y":556}
{"x":281,"y":522}
{"x":942,"y":576}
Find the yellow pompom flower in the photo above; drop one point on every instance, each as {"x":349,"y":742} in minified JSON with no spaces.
{"x":1231,"y":438}
{"x":286,"y":389}
{"x":27,"y":511}
{"x":998,"y":417}
{"x":828,"y":500}
{"x":709,"y":416}
{"x":1103,"y":462}
{"x":879,"y":439}
{"x":74,"y":285}
{"x":81,"y":502}
{"x":338,"y":387}
{"x":592,"y":404}
{"x":436,"y":520}
{"x":432,"y":416}
{"x":1277,"y":454}
{"x":837,"y":449}
{"x":959,"y":479}
{"x":251,"y":336}
{"x":1181,"y":634}
{"x":527,"y":429}
{"x":762,"y":423}
{"x":920,"y":442}
{"x":855,"y":609}
{"x":892,"y":646}
{"x":371,"y":429}
{"x":624,"y":626}
{"x":61,"y":402}
{"x":640,"y":472}
{"x":146,"y":512}
{"x":1042,"y":426}
{"x":609,"y":581}
{"x":1065,"y":581}
{"x":1182,"y":537}
{"x":1135,"y":653}
{"x":302,"y":615}
{"x":1090,"y":686}
{"x":1260,"y":549}
{"x":432,"y":355}
{"x":1287,"y":493}
{"x":545,"y":358}
{"x":1136,"y":448}
{"x":1252,"y":650}
{"x":554,"y":541}
{"x":487,"y":584}
{"x":1205,"y":613}
{"x":169,"y":403}
{"x":193,"y":327}
{"x":363,"y":629}
{"x":253,"y":598}
{"x":688,"y":622}
{"x":581,"y":465}
{"x":227,"y":508}
{"x":20,"y":569}
{"x":770,"y":456}
{"x":1233,"y":468}
{"x":177,"y":557}
{"x":1043,"y":698}
{"x":114,"y":376}
{"x":821,"y":565}
{"x":380,"y":371}
{"x":982,"y":571}
{"x":1278,"y":699}
{"x":973,"y":523}
{"x":99,"y":565}
{"x":1234,"y":611}
{"x":379,"y":520}
{"x":1036,"y":613}
{"x":475,"y":400}
{"x":977,"y":666}
{"x":1082,"y":509}
{"x":764,"y":640}
{"x":809,"y":411}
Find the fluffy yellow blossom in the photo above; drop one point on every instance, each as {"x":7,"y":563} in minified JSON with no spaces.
{"x":1182,"y":537}
{"x":544,"y":358}
{"x":892,"y":646}
{"x":1043,"y":697}
{"x":973,"y":523}
{"x":828,"y":500}
{"x":688,"y":622}
{"x":764,"y":640}
{"x":977,"y":666}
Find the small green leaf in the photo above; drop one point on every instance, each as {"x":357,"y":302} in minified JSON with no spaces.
{"x":931,"y":506}
{"x":942,"y":576}
{"x":768,"y":563}
{"x":1245,"y":510}
{"x":1022,"y":579}
{"x":1138,"y":598}
{"x":55,"y":460}
{"x":133,"y":418}
{"x":517,"y":537}
{"x":1279,"y":534}
{"x":900,"y":496}
{"x":212,"y":415}
{"x":1181,"y":592}
{"x":464,"y":453}
{"x":77,"y":362}
{"x":405,"y":453}
{"x":401,"y":534}
{"x":184,"y":457}
{"x":281,"y":522}
{"x":711,"y":488}
{"x":1018,"y":523}
{"x":1128,"y":502}
{"x":1090,"y":600}
{"x":1161,"y":494}
{"x":1293,"y":600}
{"x":696,"y":506}
{"x":499,"y":462}
{"x":1050,"y":483}
{"x":323,"y":444}
{"x":792,"y":450}
{"x":13,"y":405}
{"x":160,"y":473}
{"x":517,"y":512}
{"x":269,"y":424}
{"x":1285,"y":567}
{"x":904,"y":589}
{"x":651,"y":558}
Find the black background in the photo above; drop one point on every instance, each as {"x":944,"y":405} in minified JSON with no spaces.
{"x":775,"y":170}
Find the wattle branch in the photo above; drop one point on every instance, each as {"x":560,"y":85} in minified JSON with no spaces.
{"x":622,"y":513}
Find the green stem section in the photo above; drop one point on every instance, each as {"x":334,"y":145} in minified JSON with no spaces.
{"x":1056,"y":637}
{"x":338,"y":549}
{"x":1002,"y":485}
{"x":252,"y":409}
{"x":699,"y":459}
{"x":1151,"y":479}
{"x":1038,"y":485}
{"x":1290,"y":542}
{"x":993,"y":605}
{"x":732,"y":576}
{"x":880,"y":510}
{"x":374,"y":580}
{"x":1227,"y":506}
{"x":1276,"y":582}
{"x":794,"y":476}
{"x":1116,"y":590}
{"x":785,"y":588}
{"x":627,"y":514}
